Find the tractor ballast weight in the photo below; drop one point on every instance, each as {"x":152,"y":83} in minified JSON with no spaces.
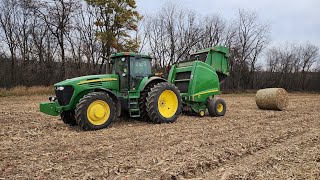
{"x":199,"y":77}
{"x":94,"y":101}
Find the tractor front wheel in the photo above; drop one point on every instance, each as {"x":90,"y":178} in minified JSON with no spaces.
{"x":68,"y":118}
{"x":217,"y":107}
{"x":164,"y":103}
{"x":95,"y":111}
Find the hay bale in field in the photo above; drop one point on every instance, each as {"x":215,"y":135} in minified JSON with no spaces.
{"x":272,"y":99}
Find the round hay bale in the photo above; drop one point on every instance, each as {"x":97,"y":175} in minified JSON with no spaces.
{"x":272,"y":99}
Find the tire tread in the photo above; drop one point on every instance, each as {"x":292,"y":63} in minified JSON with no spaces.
{"x":151,"y":104}
{"x":80,"y":115}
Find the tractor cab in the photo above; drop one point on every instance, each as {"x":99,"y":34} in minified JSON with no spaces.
{"x":131,"y":69}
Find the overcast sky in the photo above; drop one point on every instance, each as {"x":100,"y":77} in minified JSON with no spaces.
{"x":291,"y":20}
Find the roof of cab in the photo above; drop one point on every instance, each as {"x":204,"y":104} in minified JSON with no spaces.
{"x":133,"y":54}
{"x":222,"y":49}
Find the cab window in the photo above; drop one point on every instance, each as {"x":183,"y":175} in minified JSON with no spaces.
{"x":140,"y":67}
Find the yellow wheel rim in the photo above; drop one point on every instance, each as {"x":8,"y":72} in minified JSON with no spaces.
{"x":167,"y":103}
{"x":98,"y":112}
{"x":202,"y":113}
{"x":220,"y":108}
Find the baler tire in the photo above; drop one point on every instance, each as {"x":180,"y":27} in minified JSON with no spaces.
{"x":153,"y":101}
{"x":217,"y":107}
{"x":143,"y":103}
{"x":100,"y":101}
{"x":68,"y":118}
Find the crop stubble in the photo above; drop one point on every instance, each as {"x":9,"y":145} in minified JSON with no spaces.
{"x":246,"y":143}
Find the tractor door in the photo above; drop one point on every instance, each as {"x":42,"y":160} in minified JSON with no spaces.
{"x":139,"y":68}
{"x":120,"y":67}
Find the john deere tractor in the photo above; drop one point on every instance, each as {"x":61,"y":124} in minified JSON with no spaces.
{"x":94,"y":101}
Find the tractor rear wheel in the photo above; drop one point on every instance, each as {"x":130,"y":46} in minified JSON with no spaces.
{"x":68,"y":118}
{"x":95,"y":111}
{"x":143,"y":103}
{"x":217,"y":107}
{"x":164,"y":103}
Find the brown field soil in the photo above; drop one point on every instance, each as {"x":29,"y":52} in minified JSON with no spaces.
{"x":247,"y":143}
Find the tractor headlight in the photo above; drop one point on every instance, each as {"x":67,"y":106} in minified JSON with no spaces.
{"x":60,"y":88}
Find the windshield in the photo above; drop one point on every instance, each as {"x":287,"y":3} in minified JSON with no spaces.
{"x":140,"y":67}
{"x":200,"y":57}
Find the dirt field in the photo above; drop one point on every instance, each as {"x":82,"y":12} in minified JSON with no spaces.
{"x":247,"y":143}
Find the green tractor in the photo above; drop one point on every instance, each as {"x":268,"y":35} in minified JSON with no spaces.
{"x":94,"y":101}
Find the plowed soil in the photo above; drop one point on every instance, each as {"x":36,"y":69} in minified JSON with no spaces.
{"x":247,"y":143}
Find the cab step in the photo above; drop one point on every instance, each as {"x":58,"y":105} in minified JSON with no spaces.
{"x":134,"y":110}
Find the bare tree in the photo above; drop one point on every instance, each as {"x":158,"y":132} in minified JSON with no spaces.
{"x":8,"y":22}
{"x":310,"y":54}
{"x":73,"y":36}
{"x":214,"y":33}
{"x":156,"y":40}
{"x":251,"y":38}
{"x":141,"y":36}
{"x":57,"y":14}
{"x":91,"y":46}
{"x":171,"y":34}
{"x":291,"y":64}
{"x":25,"y":43}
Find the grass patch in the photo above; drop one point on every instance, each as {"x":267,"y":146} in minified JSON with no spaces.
{"x":27,"y":91}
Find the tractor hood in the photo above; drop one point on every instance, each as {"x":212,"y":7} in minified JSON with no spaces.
{"x":88,"y":79}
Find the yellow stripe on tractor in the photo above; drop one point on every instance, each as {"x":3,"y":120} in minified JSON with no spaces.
{"x":97,"y":80}
{"x":205,"y":92}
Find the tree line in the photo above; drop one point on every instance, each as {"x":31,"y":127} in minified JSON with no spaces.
{"x":44,"y":42}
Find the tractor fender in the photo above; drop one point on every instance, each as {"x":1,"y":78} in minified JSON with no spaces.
{"x":113,"y":97}
{"x":152,"y":80}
